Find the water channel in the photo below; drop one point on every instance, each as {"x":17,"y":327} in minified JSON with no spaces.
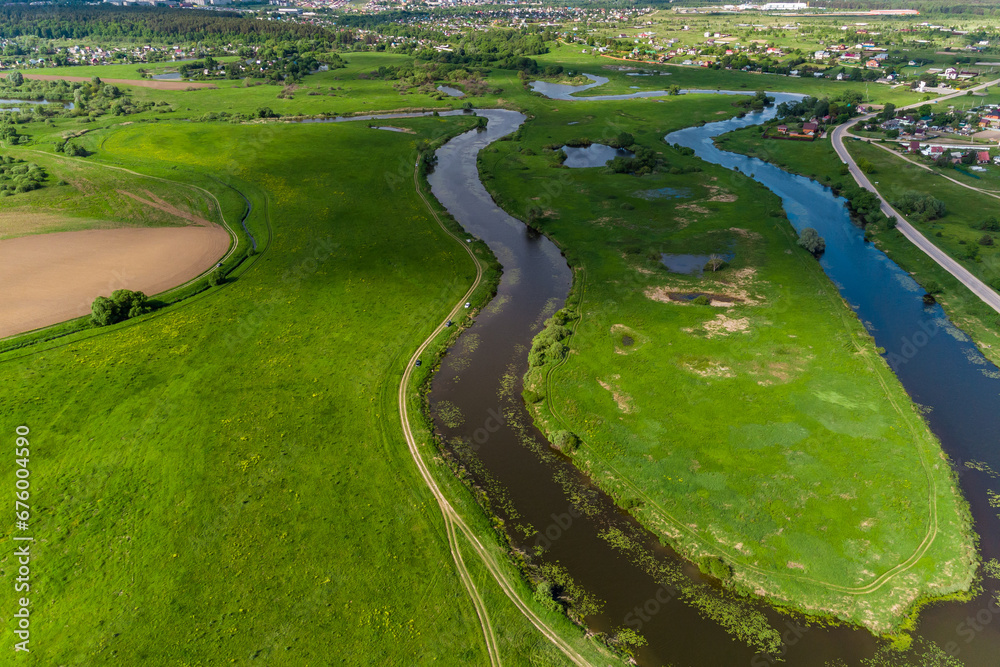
{"x":480,"y":416}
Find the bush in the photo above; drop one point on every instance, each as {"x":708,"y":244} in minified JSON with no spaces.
{"x":702,"y":300}
{"x":716,"y":263}
{"x":122,"y":305}
{"x":986,"y":240}
{"x":812,"y":241}
{"x":623,"y":140}
{"x":548,"y":346}
{"x":924,"y":207}
{"x":990,"y":224}
{"x":530,"y":396}
{"x":545,"y":596}
{"x":565,"y":441}
{"x":715,"y":567}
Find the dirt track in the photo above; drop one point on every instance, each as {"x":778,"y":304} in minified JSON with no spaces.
{"x":49,"y":278}
{"x":142,"y":83}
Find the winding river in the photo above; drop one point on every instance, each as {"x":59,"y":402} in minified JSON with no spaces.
{"x":479,"y":413}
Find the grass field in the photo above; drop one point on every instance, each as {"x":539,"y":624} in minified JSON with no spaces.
{"x":957,"y":231}
{"x":818,"y":160}
{"x":83,"y":196}
{"x":802,"y":388}
{"x":227,"y":480}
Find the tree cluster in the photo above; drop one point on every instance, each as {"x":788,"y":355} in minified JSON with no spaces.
{"x":122,"y":305}
{"x":920,"y":206}
{"x":146,"y":24}
{"x":17,"y":176}
{"x":841,"y":109}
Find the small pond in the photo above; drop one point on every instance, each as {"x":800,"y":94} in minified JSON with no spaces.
{"x":168,"y":76}
{"x":594,"y":155}
{"x":664,"y":193}
{"x":5,"y":101}
{"x":692,"y":265}
{"x":454,"y":92}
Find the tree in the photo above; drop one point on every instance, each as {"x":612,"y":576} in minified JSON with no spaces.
{"x":716,"y":263}
{"x":15,"y":78}
{"x":623,"y":140}
{"x":122,"y":305}
{"x":812,"y":241}
{"x":565,"y":441}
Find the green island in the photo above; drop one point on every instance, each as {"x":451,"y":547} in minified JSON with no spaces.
{"x":773,"y":347}
{"x":242,"y":465}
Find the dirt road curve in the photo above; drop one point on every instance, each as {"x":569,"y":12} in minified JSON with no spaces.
{"x":50,"y":278}
{"x":455,"y":525}
{"x":142,"y":83}
{"x":978,"y":287}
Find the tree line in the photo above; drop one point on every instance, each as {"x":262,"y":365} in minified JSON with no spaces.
{"x":147,"y":24}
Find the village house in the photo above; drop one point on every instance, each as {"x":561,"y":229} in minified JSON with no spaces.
{"x":991,"y":120}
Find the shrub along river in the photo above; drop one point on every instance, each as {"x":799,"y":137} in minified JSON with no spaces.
{"x":480,"y":416}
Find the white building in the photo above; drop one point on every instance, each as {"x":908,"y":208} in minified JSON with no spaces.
{"x":784,"y":6}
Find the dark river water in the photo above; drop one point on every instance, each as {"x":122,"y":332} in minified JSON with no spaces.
{"x":480,"y":417}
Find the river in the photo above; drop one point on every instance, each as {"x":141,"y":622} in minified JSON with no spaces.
{"x":479,"y":414}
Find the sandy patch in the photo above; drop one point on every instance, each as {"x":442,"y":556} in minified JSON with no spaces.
{"x":161,"y":205}
{"x":51,"y":278}
{"x":622,"y":399}
{"x":712,"y":369}
{"x":745,"y":233}
{"x":795,"y":566}
{"x":723,"y":326}
{"x":20,"y":222}
{"x":694,"y":208}
{"x":142,"y":83}
{"x":720,"y":194}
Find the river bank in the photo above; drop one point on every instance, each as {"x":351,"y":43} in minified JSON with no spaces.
{"x":867,"y":651}
{"x":818,"y":161}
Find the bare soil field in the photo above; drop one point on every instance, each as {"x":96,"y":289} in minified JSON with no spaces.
{"x":142,"y":83}
{"x":51,"y":278}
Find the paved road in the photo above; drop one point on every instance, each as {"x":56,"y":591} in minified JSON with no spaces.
{"x":978,"y":287}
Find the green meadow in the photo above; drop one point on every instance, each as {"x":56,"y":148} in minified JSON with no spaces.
{"x":726,"y":428}
{"x":226,"y":480}
{"x":77,"y":195}
{"x":965,"y":210}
